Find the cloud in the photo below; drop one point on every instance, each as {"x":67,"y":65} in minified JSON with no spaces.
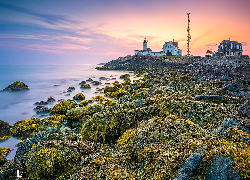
{"x":48,"y":18}
{"x":115,"y":53}
{"x":79,"y":40}
{"x":10,"y":44}
{"x":55,"y":48}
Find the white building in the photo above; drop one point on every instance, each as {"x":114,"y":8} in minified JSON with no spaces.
{"x":169,"y":48}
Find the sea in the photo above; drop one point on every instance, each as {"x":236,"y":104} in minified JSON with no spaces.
{"x":45,"y":81}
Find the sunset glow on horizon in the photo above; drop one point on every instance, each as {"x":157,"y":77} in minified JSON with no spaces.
{"x":78,"y":32}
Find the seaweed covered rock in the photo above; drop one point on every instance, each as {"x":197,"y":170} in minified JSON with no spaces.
{"x":53,"y":158}
{"x":16,"y":86}
{"x":83,"y":82}
{"x":24,"y":128}
{"x":3,"y":153}
{"x":63,"y":106}
{"x":79,"y":96}
{"x":83,"y":103}
{"x":160,"y":147}
{"x":124,"y":76}
{"x":89,"y":79}
{"x":85,"y":86}
{"x":96,"y":82}
{"x":4,"y":128}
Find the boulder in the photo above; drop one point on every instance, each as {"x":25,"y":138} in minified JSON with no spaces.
{"x":96,"y":82}
{"x":16,"y":86}
{"x":229,"y":123}
{"x":42,"y":109}
{"x":225,"y":78}
{"x":234,"y":86}
{"x":79,"y":96}
{"x":189,"y":169}
{"x":245,"y":109}
{"x":83,"y":82}
{"x":85,"y":86}
{"x":71,"y":88}
{"x":208,"y":97}
{"x":4,"y":128}
{"x":220,"y":169}
{"x":89,"y":79}
{"x":50,"y":99}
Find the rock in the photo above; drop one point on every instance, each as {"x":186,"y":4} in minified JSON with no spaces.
{"x":71,"y":88}
{"x":4,"y":128}
{"x":220,"y":169}
{"x":85,"y":86}
{"x":229,"y":123}
{"x":3,"y":154}
{"x":225,"y":78}
{"x":83,"y":82}
{"x":24,"y":148}
{"x":241,"y":94}
{"x":102,"y":78}
{"x":89,"y":79}
{"x":190,"y":167}
{"x":16,"y":86}
{"x":138,"y":103}
{"x":96,"y":83}
{"x":234,"y":86}
{"x":208,"y":97}
{"x":245,"y":109}
{"x":41,"y":103}
{"x":42,"y":109}
{"x":50,"y":99}
{"x":79,"y":96}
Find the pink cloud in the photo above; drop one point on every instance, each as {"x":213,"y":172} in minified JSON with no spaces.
{"x":55,"y":48}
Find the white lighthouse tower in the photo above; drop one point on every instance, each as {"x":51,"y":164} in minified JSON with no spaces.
{"x":145,"y":45}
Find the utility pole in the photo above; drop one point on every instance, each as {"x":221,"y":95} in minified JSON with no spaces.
{"x":189,"y":37}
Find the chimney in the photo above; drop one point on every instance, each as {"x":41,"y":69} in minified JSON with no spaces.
{"x":229,"y":39}
{"x":173,"y":40}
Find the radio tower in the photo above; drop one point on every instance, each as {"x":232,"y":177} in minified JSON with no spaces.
{"x":189,"y":37}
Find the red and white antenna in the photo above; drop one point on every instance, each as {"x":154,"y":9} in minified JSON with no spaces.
{"x":189,"y":37}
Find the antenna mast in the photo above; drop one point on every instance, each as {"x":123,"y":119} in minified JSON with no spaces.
{"x":189,"y":37}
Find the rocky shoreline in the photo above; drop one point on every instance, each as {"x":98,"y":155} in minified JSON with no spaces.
{"x":177,"y":121}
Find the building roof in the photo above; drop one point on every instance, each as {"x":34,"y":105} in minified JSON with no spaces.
{"x":229,"y":42}
{"x":174,"y":43}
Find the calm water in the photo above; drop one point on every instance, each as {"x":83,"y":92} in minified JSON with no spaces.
{"x":15,"y":106}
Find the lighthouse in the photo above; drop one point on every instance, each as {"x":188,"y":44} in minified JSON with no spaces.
{"x":145,"y":46}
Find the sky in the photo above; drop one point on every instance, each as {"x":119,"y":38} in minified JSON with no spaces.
{"x":41,"y":32}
